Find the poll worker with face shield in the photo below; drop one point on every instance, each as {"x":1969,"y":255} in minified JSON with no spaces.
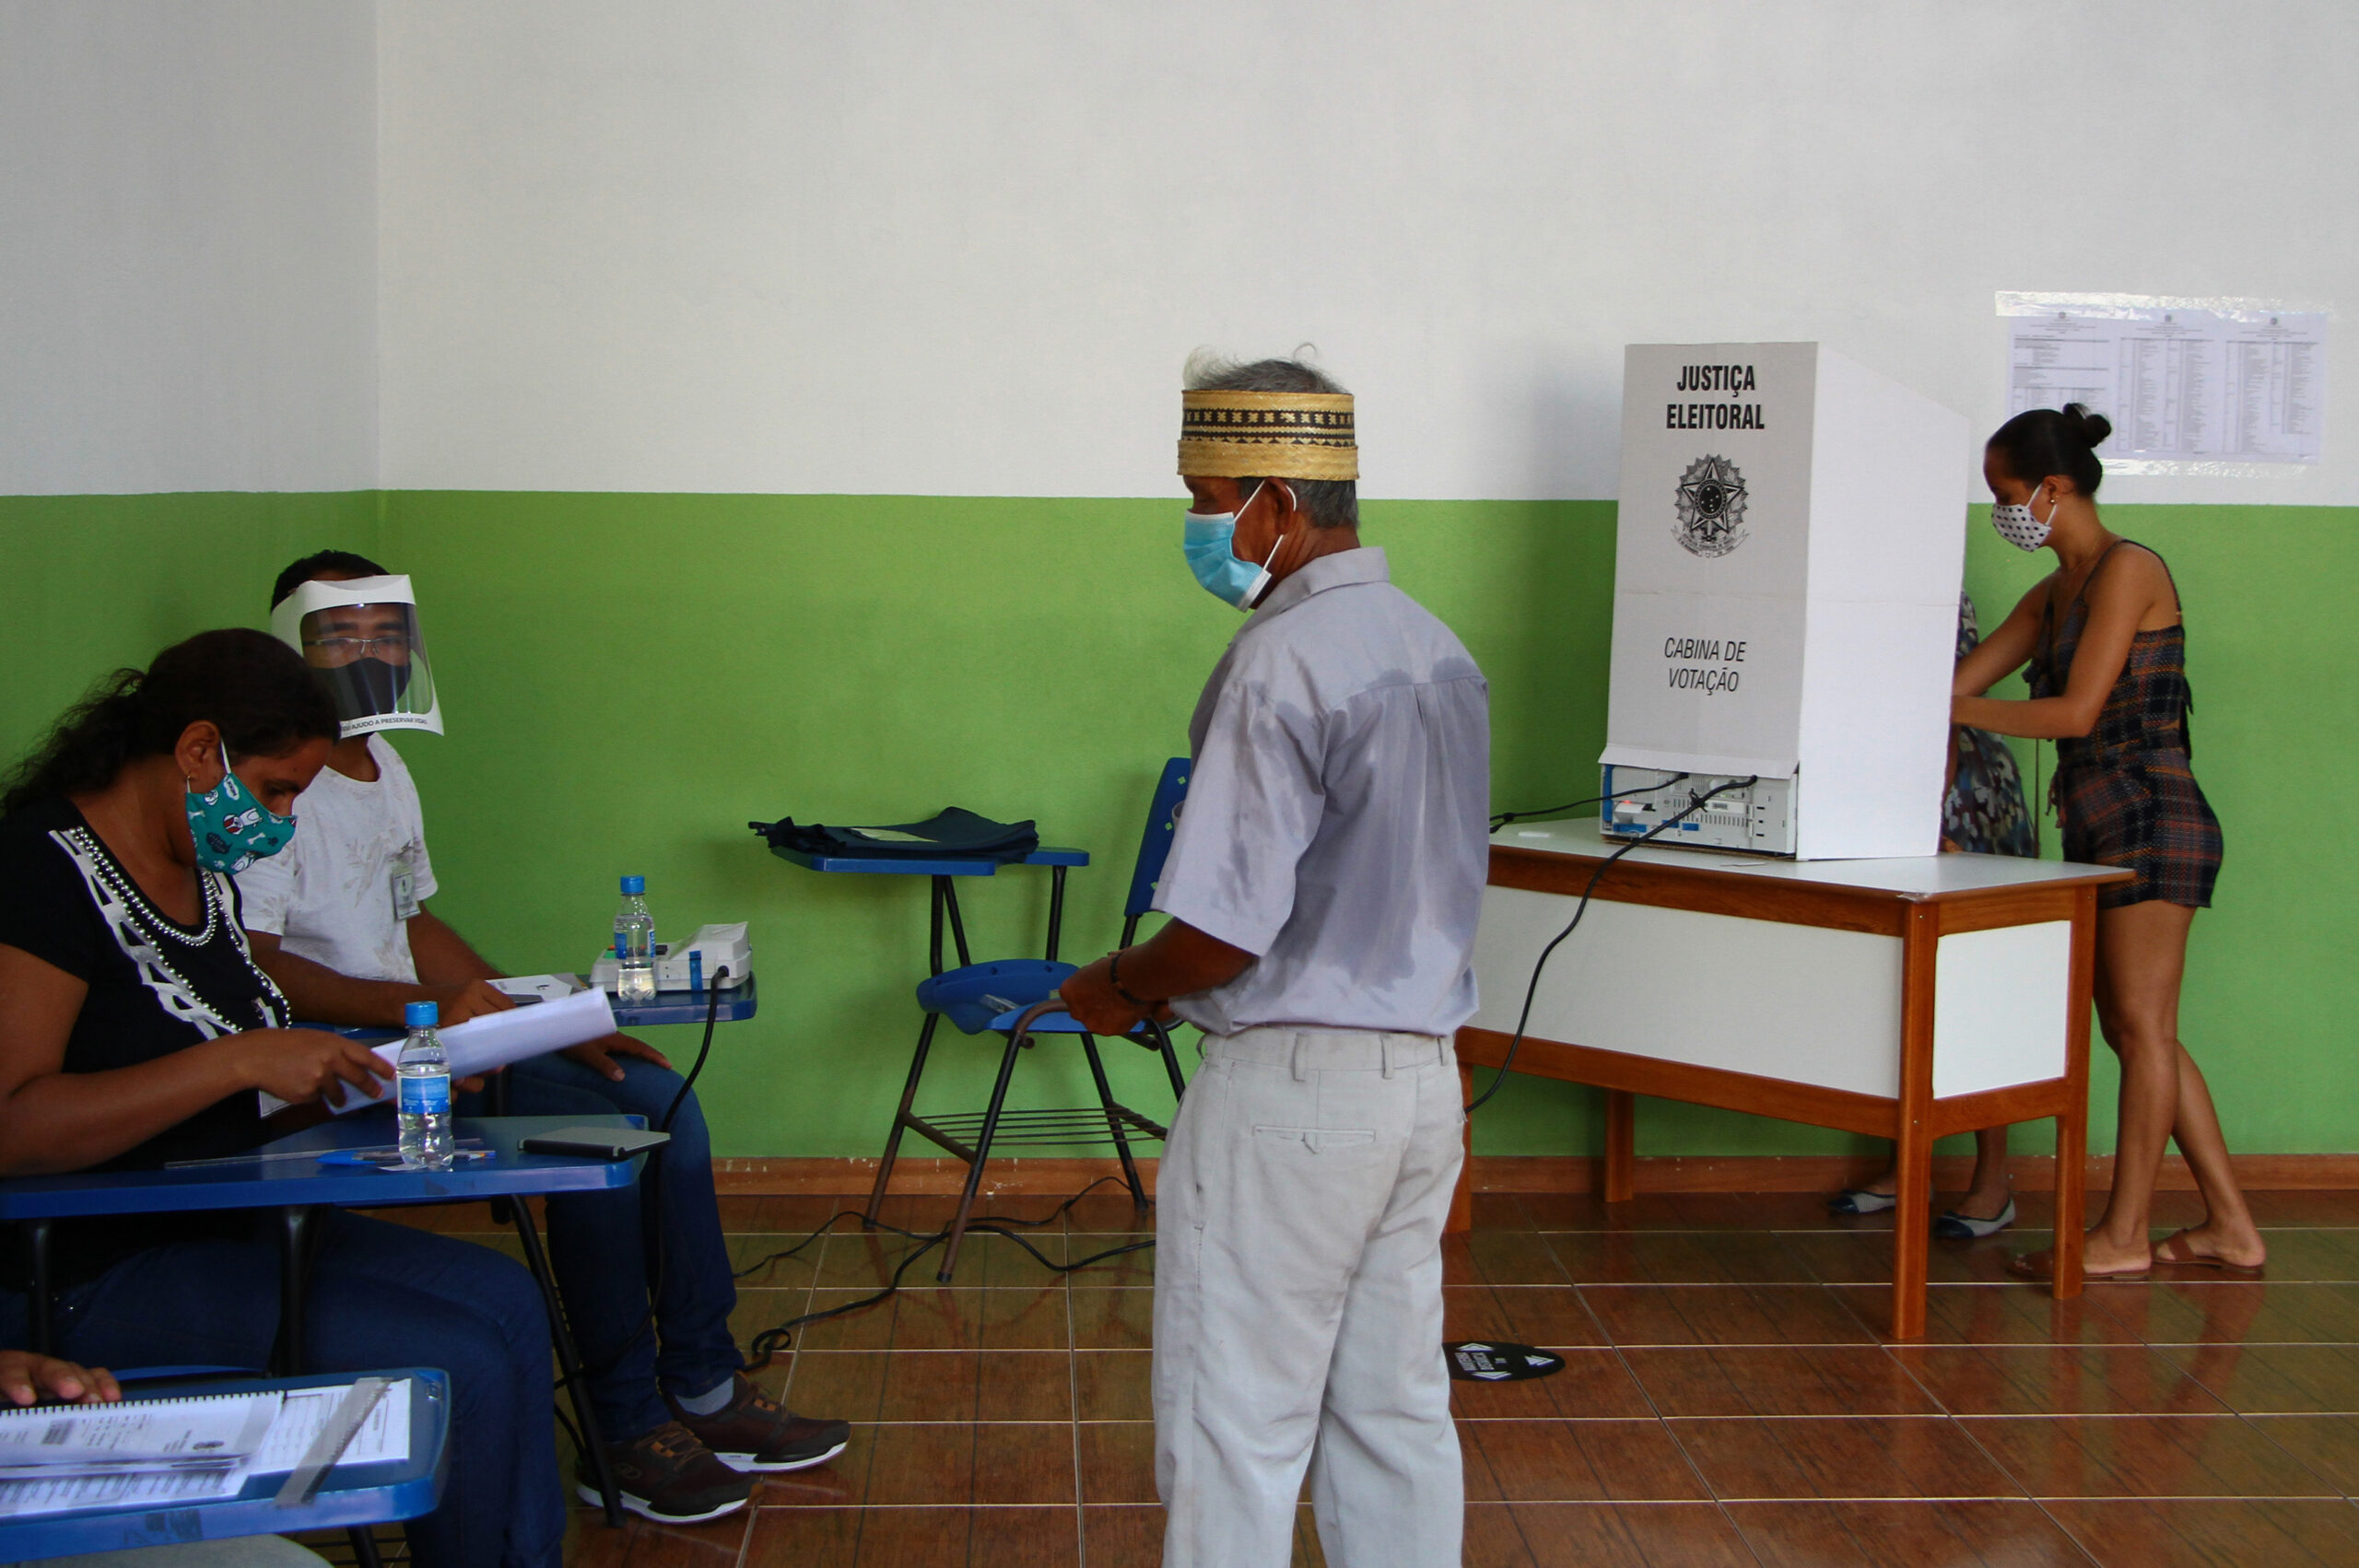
{"x":339,"y":920}
{"x":1323,"y":885}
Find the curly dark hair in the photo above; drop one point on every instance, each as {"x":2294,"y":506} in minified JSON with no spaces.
{"x":255,"y":689}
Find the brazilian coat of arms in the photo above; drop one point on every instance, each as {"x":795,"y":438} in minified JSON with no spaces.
{"x":1711,"y":508}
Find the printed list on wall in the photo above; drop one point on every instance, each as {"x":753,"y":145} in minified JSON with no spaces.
{"x":2192,"y":386}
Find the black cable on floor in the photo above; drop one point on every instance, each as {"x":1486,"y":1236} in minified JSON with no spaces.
{"x":771,"y":1340}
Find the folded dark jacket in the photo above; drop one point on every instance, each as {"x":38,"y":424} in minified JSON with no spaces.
{"x":951,"y":832}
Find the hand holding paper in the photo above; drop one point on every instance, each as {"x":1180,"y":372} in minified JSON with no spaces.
{"x":496,"y":1040}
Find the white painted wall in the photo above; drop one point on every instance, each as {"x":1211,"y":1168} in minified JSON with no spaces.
{"x":929,"y":246}
{"x":187,"y":245}
{"x":933,"y":247}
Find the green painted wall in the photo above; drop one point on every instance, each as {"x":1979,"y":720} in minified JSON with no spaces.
{"x":629,"y":678}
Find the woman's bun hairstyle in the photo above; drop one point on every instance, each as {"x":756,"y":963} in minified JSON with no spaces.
{"x":2041,"y":441}
{"x":255,"y":690}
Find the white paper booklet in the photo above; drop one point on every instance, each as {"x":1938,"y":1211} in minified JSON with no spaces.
{"x":55,"y":1460}
{"x":157,"y":1433}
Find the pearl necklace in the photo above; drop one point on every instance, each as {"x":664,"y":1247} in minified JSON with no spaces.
{"x":271,"y":1006}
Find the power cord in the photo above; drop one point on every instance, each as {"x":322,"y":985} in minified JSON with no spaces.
{"x":771,"y":1342}
{"x":1503,"y":818}
{"x":650,"y":1184}
{"x":1694,"y":805}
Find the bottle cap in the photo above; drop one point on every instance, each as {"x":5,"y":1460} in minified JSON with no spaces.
{"x":634,"y":886}
{"x":420,"y":1015}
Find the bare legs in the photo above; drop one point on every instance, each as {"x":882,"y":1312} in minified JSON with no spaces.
{"x":2141,"y":953}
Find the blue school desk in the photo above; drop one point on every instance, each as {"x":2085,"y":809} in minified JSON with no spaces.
{"x":350,"y":1497}
{"x":737,"y":1003}
{"x":299,"y":1189}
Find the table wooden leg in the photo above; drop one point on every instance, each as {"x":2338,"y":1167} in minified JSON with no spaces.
{"x":1620,"y":1145}
{"x":1912,"y":1216}
{"x":1461,"y":1198}
{"x":2073,"y":1126}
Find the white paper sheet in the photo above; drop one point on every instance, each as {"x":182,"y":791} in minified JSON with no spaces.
{"x":384,"y":1436}
{"x":63,"y":1495}
{"x":496,"y":1040}
{"x":2223,"y":386}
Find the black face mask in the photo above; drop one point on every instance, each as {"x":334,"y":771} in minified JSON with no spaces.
{"x":365,"y":687}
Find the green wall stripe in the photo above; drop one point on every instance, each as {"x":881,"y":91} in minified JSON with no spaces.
{"x":629,"y":678}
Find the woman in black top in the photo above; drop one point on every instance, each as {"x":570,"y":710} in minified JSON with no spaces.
{"x":134,"y":1028}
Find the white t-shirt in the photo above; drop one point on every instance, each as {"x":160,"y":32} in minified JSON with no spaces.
{"x":341,"y":892}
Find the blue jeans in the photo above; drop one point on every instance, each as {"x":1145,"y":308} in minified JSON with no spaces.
{"x":380,"y":1296}
{"x":598,"y":1253}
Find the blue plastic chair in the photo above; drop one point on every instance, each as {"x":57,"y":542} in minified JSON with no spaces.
{"x":995,"y":998}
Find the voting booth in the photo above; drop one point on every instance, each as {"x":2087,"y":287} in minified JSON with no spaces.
{"x":1785,"y":602}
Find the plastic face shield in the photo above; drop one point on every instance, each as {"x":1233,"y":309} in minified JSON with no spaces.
{"x":361,"y":638}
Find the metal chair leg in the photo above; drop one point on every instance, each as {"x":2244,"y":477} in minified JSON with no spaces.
{"x":900,"y":1121}
{"x":294,"y":1278}
{"x":1114,"y":1120}
{"x":1016,"y":1038}
{"x":958,"y":926}
{"x":364,"y":1547}
{"x":568,"y":1361}
{"x":1170,"y":1062}
{"x":41,"y":1307}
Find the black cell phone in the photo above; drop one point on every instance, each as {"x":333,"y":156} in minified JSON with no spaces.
{"x":596,"y":1142}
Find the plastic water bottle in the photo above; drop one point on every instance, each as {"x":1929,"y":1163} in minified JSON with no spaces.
{"x":634,"y":946}
{"x":422,"y":1076}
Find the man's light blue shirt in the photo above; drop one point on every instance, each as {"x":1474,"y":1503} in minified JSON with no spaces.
{"x":1337,"y":822}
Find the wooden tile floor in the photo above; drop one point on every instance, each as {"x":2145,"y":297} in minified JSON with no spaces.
{"x":1728,"y":1397}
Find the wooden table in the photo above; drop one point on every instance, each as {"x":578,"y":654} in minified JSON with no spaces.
{"x":1908,"y":999}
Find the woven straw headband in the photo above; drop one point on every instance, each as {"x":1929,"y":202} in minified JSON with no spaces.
{"x":1260,"y":435}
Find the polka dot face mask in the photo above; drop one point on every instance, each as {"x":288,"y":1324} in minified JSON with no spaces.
{"x":2018,"y":527}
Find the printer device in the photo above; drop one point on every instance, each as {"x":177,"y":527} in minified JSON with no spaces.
{"x":687,"y":965}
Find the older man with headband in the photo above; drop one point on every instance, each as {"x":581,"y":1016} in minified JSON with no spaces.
{"x":1322,"y":887}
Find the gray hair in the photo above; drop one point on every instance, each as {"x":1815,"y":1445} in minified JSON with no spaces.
{"x":1328,"y":503}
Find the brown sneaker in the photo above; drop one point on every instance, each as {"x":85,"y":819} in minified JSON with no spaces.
{"x":754,"y":1432}
{"x":669,"y":1477}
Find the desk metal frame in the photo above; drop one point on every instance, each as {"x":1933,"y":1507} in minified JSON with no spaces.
{"x":299,"y":1189}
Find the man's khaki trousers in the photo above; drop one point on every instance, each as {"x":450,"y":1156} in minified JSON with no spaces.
{"x":1297,"y":1301}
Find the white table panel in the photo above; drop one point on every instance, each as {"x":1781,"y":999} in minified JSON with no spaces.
{"x":1999,"y":1003}
{"x":1804,"y":1003}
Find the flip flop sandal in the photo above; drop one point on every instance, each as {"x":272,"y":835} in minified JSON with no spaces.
{"x":1954,"y":1226}
{"x":2187,"y":1257}
{"x":1859,"y":1200}
{"x":2041,"y":1266}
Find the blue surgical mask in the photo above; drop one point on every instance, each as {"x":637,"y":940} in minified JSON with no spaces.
{"x":1208,"y":544}
{"x":232,"y":829}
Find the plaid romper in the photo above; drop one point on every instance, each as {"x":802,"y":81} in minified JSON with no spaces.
{"x":2125,"y":793}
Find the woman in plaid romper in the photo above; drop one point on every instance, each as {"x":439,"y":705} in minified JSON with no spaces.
{"x":2107,"y":651}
